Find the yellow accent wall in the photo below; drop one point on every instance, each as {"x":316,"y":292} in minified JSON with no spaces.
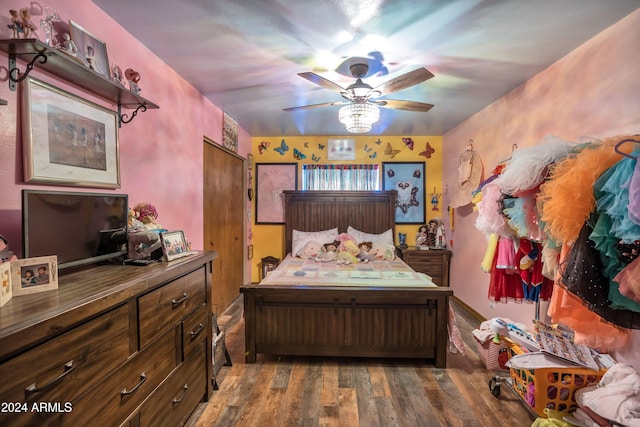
{"x":269,"y":239}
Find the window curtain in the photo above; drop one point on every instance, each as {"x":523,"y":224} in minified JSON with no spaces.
{"x":340,"y":177}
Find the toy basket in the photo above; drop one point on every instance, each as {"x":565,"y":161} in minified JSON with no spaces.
{"x":494,"y":356}
{"x":552,"y":388}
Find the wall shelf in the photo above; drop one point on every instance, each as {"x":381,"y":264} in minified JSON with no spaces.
{"x":37,"y":53}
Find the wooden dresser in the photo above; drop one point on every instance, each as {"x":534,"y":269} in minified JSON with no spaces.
{"x":432,"y":262}
{"x":114,"y":345}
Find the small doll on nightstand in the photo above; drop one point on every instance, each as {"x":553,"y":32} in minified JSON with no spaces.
{"x":421,"y":237}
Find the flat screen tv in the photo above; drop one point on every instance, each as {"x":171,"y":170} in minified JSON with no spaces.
{"x":80,"y":228}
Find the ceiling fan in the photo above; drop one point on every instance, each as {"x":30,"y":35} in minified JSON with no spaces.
{"x":362,"y":93}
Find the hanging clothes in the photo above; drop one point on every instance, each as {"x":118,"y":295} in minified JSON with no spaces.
{"x":590,"y":328}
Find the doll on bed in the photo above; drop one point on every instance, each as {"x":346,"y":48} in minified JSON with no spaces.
{"x":365,"y":254}
{"x":328,"y":253}
{"x":348,"y":253}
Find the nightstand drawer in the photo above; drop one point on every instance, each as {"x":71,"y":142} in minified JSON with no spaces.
{"x":162,"y":308}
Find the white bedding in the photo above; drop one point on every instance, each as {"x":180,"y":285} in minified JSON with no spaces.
{"x":379,"y":273}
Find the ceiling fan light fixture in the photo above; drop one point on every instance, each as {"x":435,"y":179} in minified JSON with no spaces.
{"x":359,"y":117}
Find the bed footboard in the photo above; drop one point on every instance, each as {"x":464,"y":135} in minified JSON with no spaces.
{"x":346,"y":322}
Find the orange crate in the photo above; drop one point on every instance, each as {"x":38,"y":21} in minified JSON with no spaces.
{"x":552,"y":388}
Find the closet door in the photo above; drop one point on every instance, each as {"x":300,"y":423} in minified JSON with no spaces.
{"x":224,"y":221}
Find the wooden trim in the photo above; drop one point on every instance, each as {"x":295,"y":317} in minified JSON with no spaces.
{"x":479,"y":317}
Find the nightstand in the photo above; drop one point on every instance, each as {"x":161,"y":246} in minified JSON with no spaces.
{"x":269,"y":264}
{"x":432,"y":262}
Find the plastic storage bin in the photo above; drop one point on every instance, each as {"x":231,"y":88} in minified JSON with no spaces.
{"x":552,"y":388}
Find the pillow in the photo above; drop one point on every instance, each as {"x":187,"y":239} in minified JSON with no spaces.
{"x":360,"y":236}
{"x":301,"y":238}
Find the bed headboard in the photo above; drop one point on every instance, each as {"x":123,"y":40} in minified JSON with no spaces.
{"x":367,"y":211}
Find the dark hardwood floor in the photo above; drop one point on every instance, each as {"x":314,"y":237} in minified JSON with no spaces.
{"x":309,"y":391}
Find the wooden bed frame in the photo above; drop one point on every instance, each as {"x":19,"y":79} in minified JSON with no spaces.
{"x":345,"y":321}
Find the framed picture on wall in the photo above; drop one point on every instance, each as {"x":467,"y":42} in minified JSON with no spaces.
{"x":229,"y":133}
{"x":68,"y":140}
{"x":341,"y":149}
{"x":271,"y":180}
{"x":408,"y":179}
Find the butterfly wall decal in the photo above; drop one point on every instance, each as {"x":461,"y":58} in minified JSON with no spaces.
{"x":298,"y":155}
{"x":378,"y":141}
{"x":306,"y":144}
{"x":428,"y":151}
{"x":321,"y":146}
{"x":315,"y":158}
{"x":389,"y":151}
{"x":367,"y":149}
{"x":408,"y":142}
{"x":263,"y":146}
{"x":283,"y":148}
{"x":373,"y":155}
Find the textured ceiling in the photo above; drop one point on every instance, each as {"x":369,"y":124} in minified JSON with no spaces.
{"x":244,"y":55}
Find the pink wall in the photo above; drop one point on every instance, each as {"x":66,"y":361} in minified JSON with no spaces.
{"x":593,"y":91}
{"x":160,"y":150}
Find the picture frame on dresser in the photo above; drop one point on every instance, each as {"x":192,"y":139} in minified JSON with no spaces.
{"x":5,"y":283}
{"x":174,"y":245}
{"x":34,"y":275}
{"x":91,"y":50}
{"x":68,"y":140}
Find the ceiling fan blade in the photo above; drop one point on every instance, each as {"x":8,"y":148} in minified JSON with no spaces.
{"x":306,"y":107}
{"x":403,"y":105}
{"x":404,"y":81}
{"x":321,"y":81}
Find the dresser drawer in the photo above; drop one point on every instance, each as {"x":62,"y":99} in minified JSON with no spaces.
{"x":194,"y":330}
{"x":123,"y":391}
{"x":174,"y":400}
{"x":169,"y":304}
{"x":66,"y":366}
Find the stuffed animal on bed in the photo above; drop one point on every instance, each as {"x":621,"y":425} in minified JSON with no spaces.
{"x":383,"y":251}
{"x":347,"y":253}
{"x":328,"y":253}
{"x":310,"y":250}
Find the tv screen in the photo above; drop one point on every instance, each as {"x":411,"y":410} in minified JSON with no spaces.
{"x":80,"y":228}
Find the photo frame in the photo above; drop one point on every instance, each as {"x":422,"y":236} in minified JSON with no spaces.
{"x":341,"y":149}
{"x":271,"y":180}
{"x":34,"y":275}
{"x":91,"y":50}
{"x":6,"y":292}
{"x":68,"y":140}
{"x":408,"y":179}
{"x":229,"y":133}
{"x":174,"y":245}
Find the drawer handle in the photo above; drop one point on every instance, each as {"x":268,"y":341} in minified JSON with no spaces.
{"x":176,"y":302}
{"x":32,"y":389}
{"x":185,"y":389}
{"x":195,"y":333}
{"x":125,"y":392}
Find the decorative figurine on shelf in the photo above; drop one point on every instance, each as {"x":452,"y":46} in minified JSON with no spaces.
{"x":6,"y":254}
{"x":435,"y":199}
{"x":16,"y":24}
{"x":133,"y":77}
{"x":421,"y":237}
{"x":27,"y":25}
{"x":432,"y":227}
{"x":68,"y":46}
{"x":118,"y":76}
{"x":402,"y":239}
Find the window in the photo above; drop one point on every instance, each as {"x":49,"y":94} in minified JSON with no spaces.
{"x":340,"y":177}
